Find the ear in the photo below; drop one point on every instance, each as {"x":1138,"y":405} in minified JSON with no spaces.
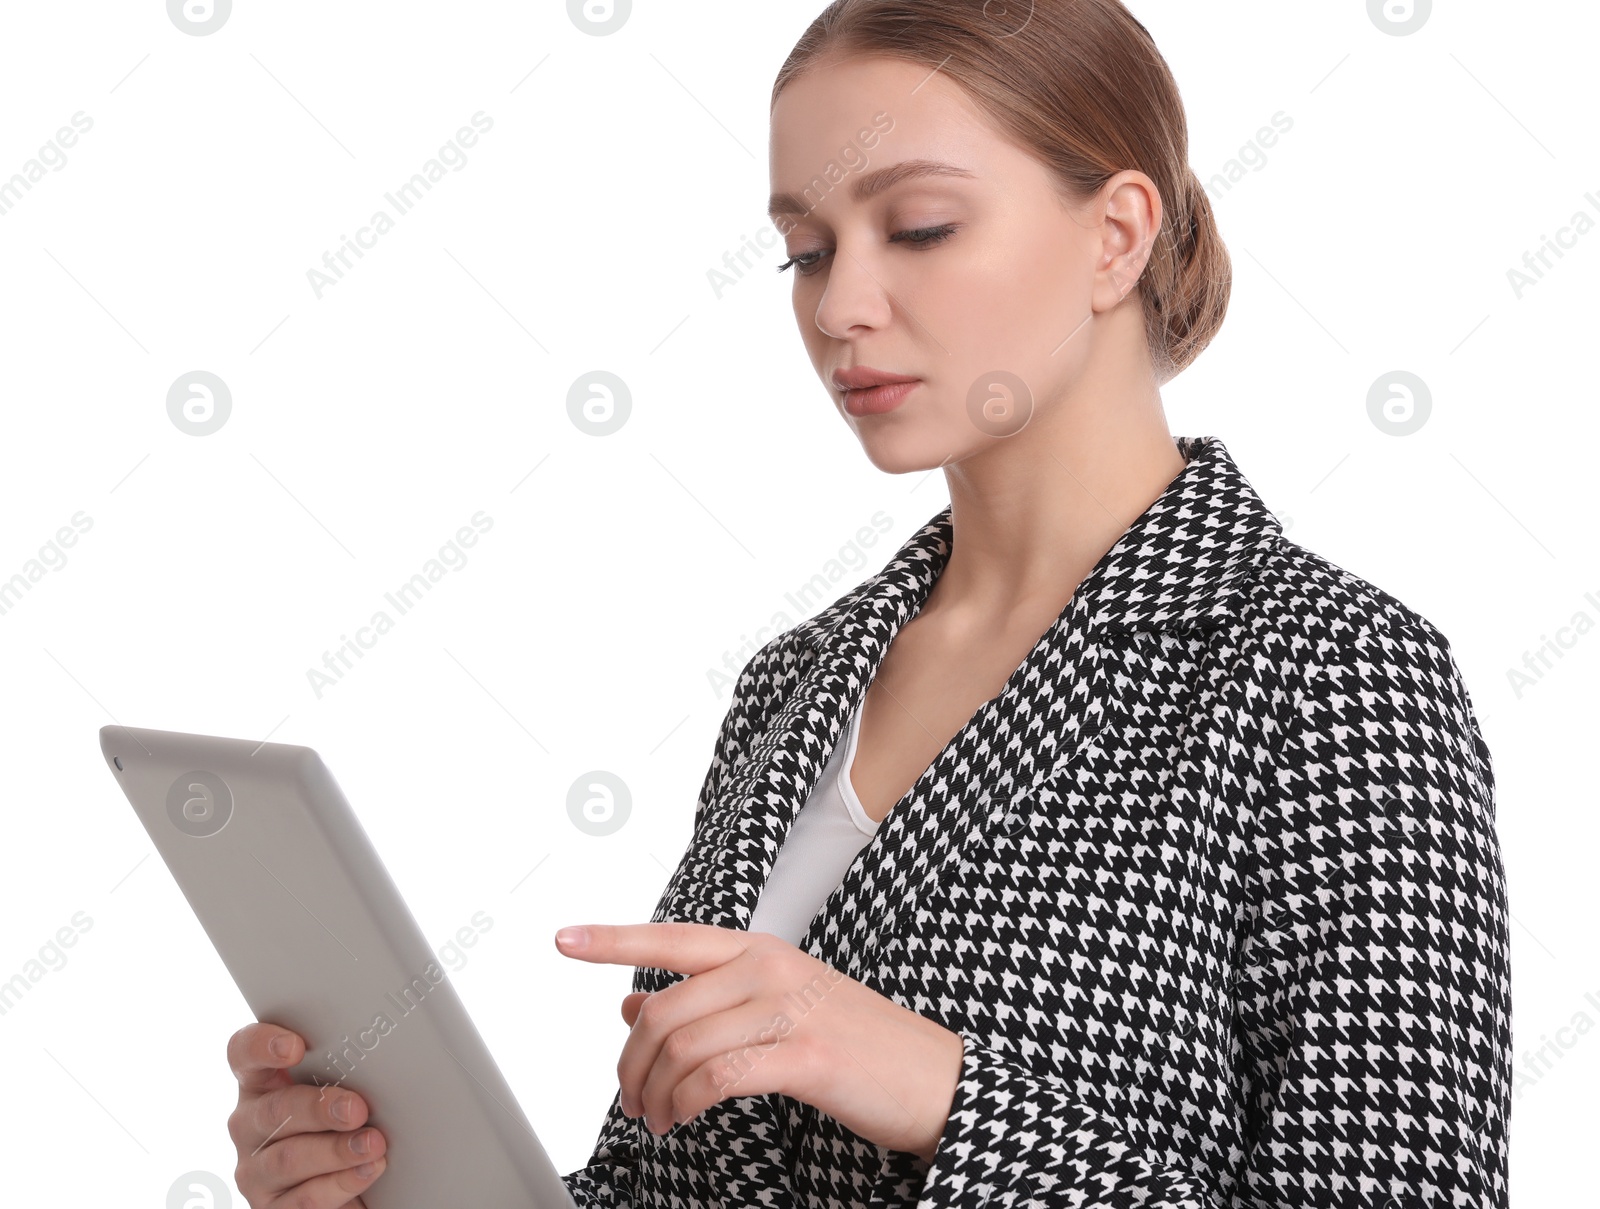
{"x":1129,"y":209}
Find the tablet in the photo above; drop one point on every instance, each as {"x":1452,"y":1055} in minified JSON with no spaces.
{"x":307,"y":920}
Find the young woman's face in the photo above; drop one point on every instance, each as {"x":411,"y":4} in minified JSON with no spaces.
{"x":1008,"y":293}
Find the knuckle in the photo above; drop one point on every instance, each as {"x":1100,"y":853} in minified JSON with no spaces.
{"x":679,"y":1044}
{"x":271,"y":1106}
{"x":649,"y":1013}
{"x":771,"y":955}
{"x":277,"y":1160}
{"x":809,"y":1067}
{"x":721,"y":1075}
{"x":769,"y":945}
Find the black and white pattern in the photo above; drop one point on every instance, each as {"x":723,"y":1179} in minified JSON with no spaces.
{"x":1211,"y":890}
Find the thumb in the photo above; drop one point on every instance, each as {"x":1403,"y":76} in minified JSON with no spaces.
{"x":631,"y":1003}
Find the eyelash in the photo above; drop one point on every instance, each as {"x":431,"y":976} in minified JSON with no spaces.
{"x":931,"y":237}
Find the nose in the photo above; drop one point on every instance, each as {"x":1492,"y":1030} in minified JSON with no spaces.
{"x":853,"y":297}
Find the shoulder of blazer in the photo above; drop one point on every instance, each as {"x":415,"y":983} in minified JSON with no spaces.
{"x":1324,"y":602}
{"x":1338,"y":650}
{"x":1319,"y":613}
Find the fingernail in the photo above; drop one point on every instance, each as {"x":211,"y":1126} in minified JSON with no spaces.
{"x":366,"y":1169}
{"x":281,"y":1047}
{"x":572,"y":938}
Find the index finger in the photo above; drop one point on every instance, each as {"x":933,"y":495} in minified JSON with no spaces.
{"x":254,"y":1063}
{"x":686,"y":948}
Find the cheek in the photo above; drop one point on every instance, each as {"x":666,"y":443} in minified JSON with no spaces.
{"x":1010,"y":314}
{"x":1032,"y":294}
{"x":819,"y":352}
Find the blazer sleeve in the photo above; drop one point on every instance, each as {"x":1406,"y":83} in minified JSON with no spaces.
{"x":606,"y":1181}
{"x":1370,"y":1003}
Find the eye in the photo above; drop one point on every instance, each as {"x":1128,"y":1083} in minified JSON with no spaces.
{"x":921,"y":237}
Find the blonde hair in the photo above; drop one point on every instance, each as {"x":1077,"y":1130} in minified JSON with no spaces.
{"x":1081,"y":85}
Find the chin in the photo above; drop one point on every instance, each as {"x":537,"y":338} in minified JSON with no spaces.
{"x":905,"y":452}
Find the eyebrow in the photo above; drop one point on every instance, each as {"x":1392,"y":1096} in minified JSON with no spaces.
{"x":871,"y":184}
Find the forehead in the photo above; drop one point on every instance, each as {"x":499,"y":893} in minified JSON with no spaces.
{"x":846,"y":115}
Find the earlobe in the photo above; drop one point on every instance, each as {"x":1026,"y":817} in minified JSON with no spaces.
{"x":1121,"y":279}
{"x":1128,"y":285}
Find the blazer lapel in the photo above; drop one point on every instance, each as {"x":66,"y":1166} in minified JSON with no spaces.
{"x":763,"y":794}
{"x":1184,"y":563}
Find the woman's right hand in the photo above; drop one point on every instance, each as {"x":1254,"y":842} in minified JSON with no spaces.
{"x":294,"y":1146}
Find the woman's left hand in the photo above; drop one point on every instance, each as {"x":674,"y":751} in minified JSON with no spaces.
{"x":758,"y":1015}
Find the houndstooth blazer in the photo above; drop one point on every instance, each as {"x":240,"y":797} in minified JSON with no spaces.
{"x":1211,"y":891}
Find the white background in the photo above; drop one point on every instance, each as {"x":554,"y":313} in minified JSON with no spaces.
{"x":621,"y":572}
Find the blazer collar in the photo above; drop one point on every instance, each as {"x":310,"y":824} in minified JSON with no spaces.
{"x":1185,"y":561}
{"x":1184,"y":564}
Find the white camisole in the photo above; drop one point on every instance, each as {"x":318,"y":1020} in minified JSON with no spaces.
{"x":824,"y":839}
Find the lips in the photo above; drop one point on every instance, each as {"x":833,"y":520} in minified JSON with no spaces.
{"x":862,"y":376}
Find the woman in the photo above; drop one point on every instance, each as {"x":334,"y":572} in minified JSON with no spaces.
{"x":1106,"y":847}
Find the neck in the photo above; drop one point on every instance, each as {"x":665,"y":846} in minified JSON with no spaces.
{"x":1030,"y":518}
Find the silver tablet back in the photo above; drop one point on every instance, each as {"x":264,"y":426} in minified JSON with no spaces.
{"x":307,"y":920}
